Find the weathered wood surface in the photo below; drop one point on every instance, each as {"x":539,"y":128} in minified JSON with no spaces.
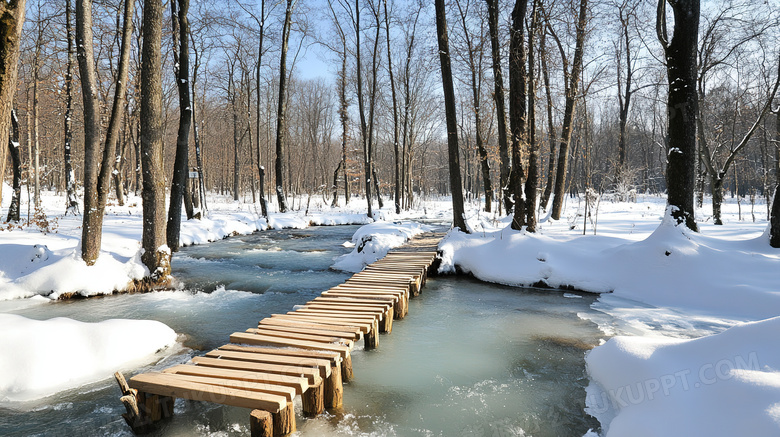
{"x":167,"y":384}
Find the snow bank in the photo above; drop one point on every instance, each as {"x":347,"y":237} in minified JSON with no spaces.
{"x":41,"y":358}
{"x":721,"y":385}
{"x":671,"y":268}
{"x":373,"y":241}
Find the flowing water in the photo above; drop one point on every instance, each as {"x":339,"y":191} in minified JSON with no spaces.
{"x":470,"y":358}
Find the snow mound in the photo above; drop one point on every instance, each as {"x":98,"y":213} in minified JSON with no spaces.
{"x":41,"y":358}
{"x":723,"y":384}
{"x":373,"y":241}
{"x":672,"y":267}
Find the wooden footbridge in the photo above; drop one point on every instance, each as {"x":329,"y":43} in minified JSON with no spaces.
{"x":305,"y":352}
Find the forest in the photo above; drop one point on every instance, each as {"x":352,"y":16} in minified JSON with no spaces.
{"x":275,"y":102}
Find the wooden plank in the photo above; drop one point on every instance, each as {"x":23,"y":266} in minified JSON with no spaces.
{"x":334,"y":357}
{"x":309,"y":318}
{"x":166,"y":384}
{"x":364,"y":308}
{"x":331,"y":315}
{"x":275,"y":321}
{"x":298,"y":336}
{"x":310,"y":373}
{"x":264,"y":340}
{"x":287,"y":392}
{"x":300,"y":384}
{"x":357,"y":315}
{"x":364,"y":323}
{"x":388,"y":302}
{"x":316,"y":331}
{"x":321,"y":364}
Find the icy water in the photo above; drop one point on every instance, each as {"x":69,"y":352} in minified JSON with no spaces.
{"x":471,"y":359}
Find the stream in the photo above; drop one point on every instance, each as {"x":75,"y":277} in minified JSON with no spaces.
{"x":470,"y":359}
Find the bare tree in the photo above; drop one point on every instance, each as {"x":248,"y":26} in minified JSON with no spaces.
{"x":532,"y":182}
{"x":474,"y":62}
{"x":156,"y":255}
{"x":281,"y":126}
{"x":72,"y":203}
{"x":572,"y":80}
{"x":181,"y":69}
{"x":396,"y":146}
{"x":12,"y":19}
{"x":343,"y":110}
{"x":682,"y":104}
{"x":97,"y":172}
{"x":16,"y":163}
{"x":517,"y":110}
{"x":498,"y":95}
{"x":774,"y":217}
{"x":459,"y":219}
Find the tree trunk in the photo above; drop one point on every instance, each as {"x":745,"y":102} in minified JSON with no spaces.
{"x":11,"y":22}
{"x":16,"y":162}
{"x":361,"y":109}
{"x":476,"y":83}
{"x":498,"y":95}
{"x":71,"y":201}
{"x":181,"y":69}
{"x":517,"y":110}
{"x":682,"y":105}
{"x":532,"y":182}
{"x":260,"y":167}
{"x":196,"y":138}
{"x":550,"y":127}
{"x":396,"y":150}
{"x":774,"y":217}
{"x":156,"y":255}
{"x":573,"y":81}
{"x":371,"y":174}
{"x":459,"y":219}
{"x":281,"y":121}
{"x":92,"y":222}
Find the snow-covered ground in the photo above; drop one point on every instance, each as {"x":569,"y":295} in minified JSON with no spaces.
{"x":666,"y":285}
{"x":694,"y":346}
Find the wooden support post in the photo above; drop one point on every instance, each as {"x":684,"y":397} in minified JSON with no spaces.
{"x":387,"y":322}
{"x":284,"y":420}
{"x":313,"y":400}
{"x":334,"y":388}
{"x":155,"y":407}
{"x":371,"y":338}
{"x":261,"y":424}
{"x":398,"y":309}
{"x":346,"y":369}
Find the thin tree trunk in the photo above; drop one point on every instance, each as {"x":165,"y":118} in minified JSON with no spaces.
{"x":181,"y":69}
{"x":476,"y":84}
{"x":361,"y":109}
{"x":550,"y":127}
{"x":92,"y":222}
{"x":16,"y":163}
{"x":774,"y":216}
{"x":396,"y":151}
{"x":196,"y":135}
{"x":517,"y":109}
{"x":456,"y":186}
{"x":498,"y":95}
{"x":156,"y":255}
{"x":573,"y":81}
{"x":281,"y":121}
{"x":682,"y":105}
{"x":532,"y":182}
{"x":71,"y":200}
{"x":372,"y":108}
{"x":260,"y":167}
{"x":11,"y":22}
